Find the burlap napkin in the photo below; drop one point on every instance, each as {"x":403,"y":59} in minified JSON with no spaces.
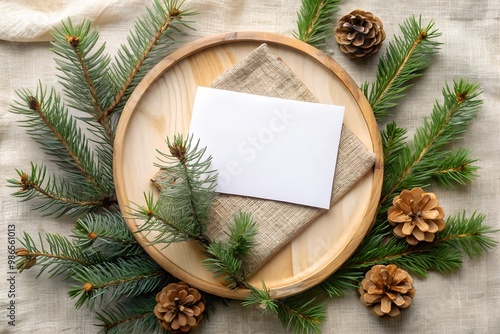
{"x":261,"y":73}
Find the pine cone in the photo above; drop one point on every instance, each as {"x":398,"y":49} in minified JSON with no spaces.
{"x":387,"y":290}
{"x":179,"y":307}
{"x":416,"y":215}
{"x":359,"y":34}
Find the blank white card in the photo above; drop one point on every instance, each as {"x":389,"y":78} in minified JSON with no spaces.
{"x":270,"y":148}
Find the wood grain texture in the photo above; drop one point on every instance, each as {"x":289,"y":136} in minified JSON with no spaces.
{"x":161,"y":107}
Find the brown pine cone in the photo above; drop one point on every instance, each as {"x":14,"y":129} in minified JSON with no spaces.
{"x":416,"y":215}
{"x":387,"y":290}
{"x":359,"y":34}
{"x":179,"y":308}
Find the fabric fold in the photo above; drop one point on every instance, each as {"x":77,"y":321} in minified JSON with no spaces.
{"x":262,"y":73}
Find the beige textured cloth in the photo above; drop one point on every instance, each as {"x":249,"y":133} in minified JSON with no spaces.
{"x":261,"y":73}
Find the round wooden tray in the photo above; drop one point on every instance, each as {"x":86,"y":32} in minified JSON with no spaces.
{"x":161,"y":107}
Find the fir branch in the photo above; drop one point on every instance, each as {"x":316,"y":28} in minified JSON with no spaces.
{"x":187,"y":188}
{"x":222,"y":262}
{"x":122,"y":277}
{"x":58,"y":195}
{"x":50,"y":125}
{"x":133,"y":315}
{"x":456,"y":168}
{"x":393,"y":143}
{"x":242,"y":234}
{"x":169,"y":231}
{"x":85,"y":72}
{"x":56,"y":253}
{"x":106,"y":233}
{"x":262,"y":299}
{"x":315,"y":21}
{"x":418,"y":161}
{"x":444,"y":255}
{"x":405,"y":59}
{"x":303,"y":316}
{"x":300,"y":313}
{"x":192,"y":188}
{"x":468,"y":234}
{"x":340,"y":282}
{"x":147,"y":44}
{"x":225,"y":257}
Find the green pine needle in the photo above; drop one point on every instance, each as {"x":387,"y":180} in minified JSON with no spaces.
{"x":315,"y":21}
{"x":57,"y":196}
{"x":418,"y":162}
{"x":186,"y":191}
{"x":407,"y":56}
{"x":153,"y":36}
{"x":456,"y":168}
{"x":48,"y":122}
{"x":223,"y":263}
{"x":468,"y":234}
{"x":393,"y":143}
{"x":87,"y":85}
{"x":299,"y":313}
{"x":242,"y":234}
{"x":225,"y":257}
{"x":262,"y":299}
{"x":462,"y":235}
{"x":340,"y":282}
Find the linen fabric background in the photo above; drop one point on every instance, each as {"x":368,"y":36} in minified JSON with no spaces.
{"x":465,"y":302}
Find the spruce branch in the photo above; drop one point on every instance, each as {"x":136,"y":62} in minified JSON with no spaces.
{"x":58,"y":195}
{"x":420,"y":159}
{"x":192,"y":188}
{"x":315,"y":21}
{"x":468,"y":234}
{"x":106,"y":233}
{"x":262,"y":299}
{"x":225,"y":257}
{"x":221,"y":262}
{"x":462,"y":235}
{"x":303,"y":316}
{"x":147,"y":44}
{"x":56,"y":254}
{"x":456,"y":168}
{"x":85,"y":73}
{"x":133,"y":315}
{"x":48,"y":122}
{"x":242,"y":234}
{"x":299,"y":313}
{"x":393,"y":143}
{"x":407,"y":56}
{"x":169,"y":230}
{"x":112,"y":280}
{"x":340,"y":282}
{"x":187,"y":188}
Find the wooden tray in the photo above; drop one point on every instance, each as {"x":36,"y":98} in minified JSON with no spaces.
{"x":161,"y":106}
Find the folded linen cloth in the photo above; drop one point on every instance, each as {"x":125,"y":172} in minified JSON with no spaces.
{"x":262,"y":73}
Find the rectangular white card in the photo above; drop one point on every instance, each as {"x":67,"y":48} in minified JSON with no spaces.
{"x":269,"y":148}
